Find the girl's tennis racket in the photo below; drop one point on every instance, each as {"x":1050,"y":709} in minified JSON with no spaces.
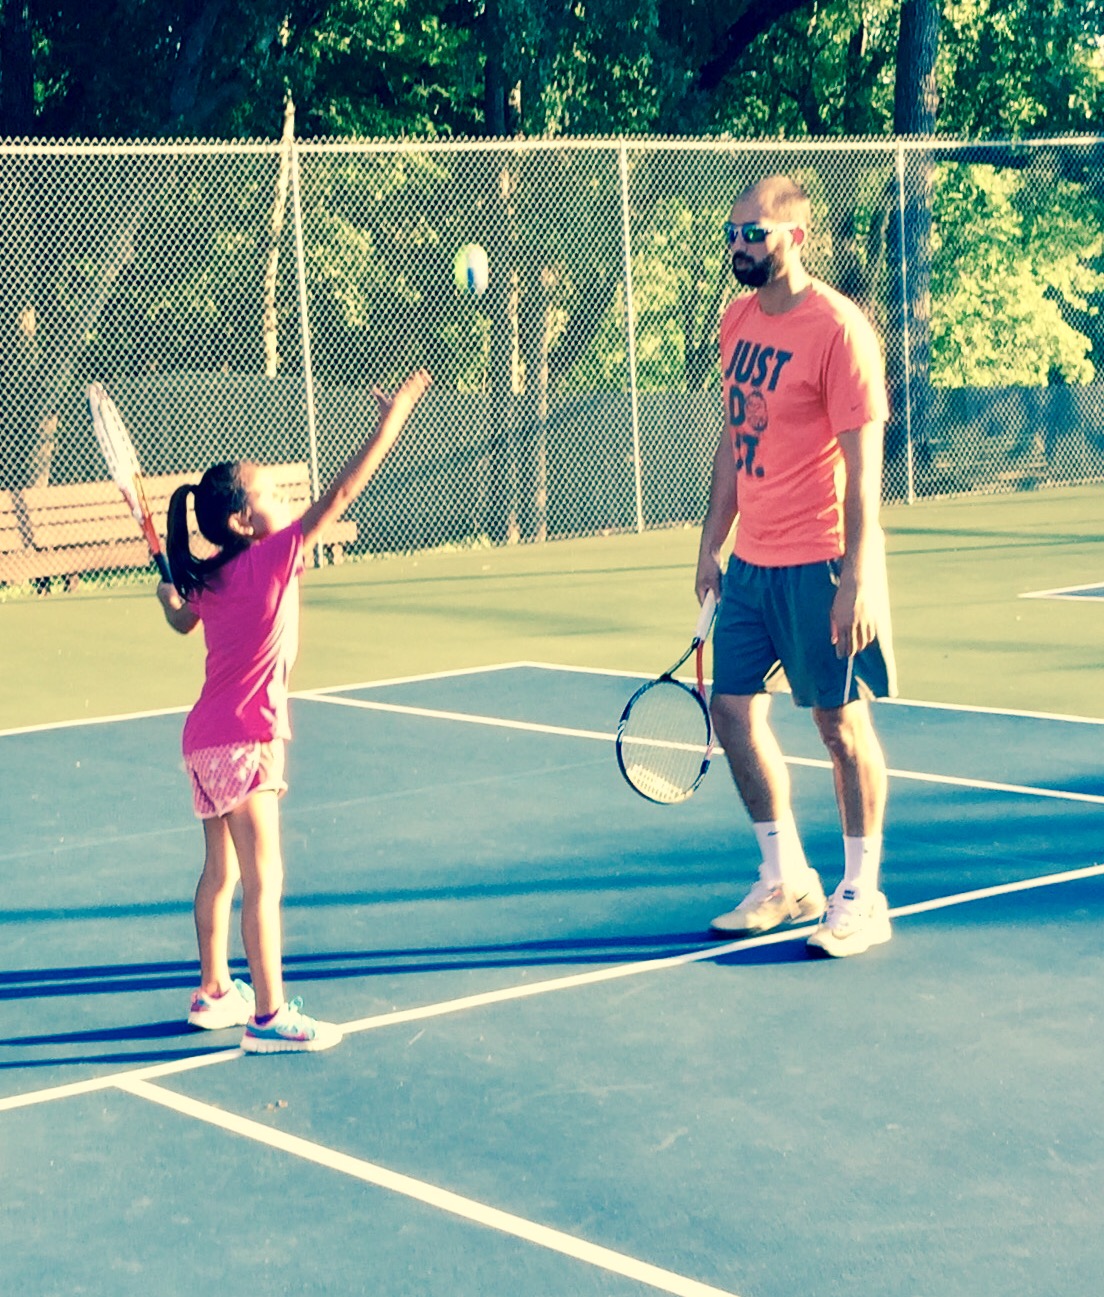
{"x":665,"y":736}
{"x":122,"y":464}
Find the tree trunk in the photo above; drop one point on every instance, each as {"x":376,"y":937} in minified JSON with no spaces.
{"x":495,"y":91}
{"x":916,"y":98}
{"x":17,"y":64}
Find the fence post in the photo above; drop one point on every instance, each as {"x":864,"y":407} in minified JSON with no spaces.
{"x":630,"y":330}
{"x":304,"y":329}
{"x":905,"y":341}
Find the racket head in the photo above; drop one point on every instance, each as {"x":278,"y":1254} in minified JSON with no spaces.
{"x":115,"y":442}
{"x":122,"y":463}
{"x":665,"y":741}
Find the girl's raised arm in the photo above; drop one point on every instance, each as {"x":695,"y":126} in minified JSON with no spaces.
{"x":353,"y":478}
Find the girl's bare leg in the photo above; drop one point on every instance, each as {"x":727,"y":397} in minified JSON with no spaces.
{"x":213,"y":899}
{"x":254,"y":827}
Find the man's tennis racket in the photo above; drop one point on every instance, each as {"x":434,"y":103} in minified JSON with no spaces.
{"x":665,"y":736}
{"x":122,"y":464}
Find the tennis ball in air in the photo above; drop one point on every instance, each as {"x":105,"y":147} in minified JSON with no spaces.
{"x":471,"y":270}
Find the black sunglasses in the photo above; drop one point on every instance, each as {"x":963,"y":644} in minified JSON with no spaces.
{"x":755,"y":232}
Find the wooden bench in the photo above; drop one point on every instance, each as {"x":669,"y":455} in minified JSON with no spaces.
{"x":68,"y":530}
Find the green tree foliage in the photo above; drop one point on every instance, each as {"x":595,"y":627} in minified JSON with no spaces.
{"x":378,"y":69}
{"x":1015,"y":261}
{"x":126,"y":68}
{"x":822,"y":70}
{"x":985,"y":288}
{"x":1011,"y":68}
{"x":129,"y":68}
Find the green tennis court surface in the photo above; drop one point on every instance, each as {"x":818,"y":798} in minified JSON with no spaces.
{"x":962,"y":632}
{"x":553,"y":1082}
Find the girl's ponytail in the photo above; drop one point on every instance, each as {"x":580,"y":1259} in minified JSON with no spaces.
{"x":185,"y":567}
{"x":218,"y":496}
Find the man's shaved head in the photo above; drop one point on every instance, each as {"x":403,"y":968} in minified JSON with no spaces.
{"x":779,"y":199}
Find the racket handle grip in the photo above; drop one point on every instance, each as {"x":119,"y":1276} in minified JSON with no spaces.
{"x":705,"y":617}
{"x":163,"y":567}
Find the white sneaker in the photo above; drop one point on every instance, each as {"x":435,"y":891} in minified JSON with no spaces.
{"x":852,"y":925}
{"x":230,"y":1009}
{"x":769,"y":904}
{"x":290,"y":1031}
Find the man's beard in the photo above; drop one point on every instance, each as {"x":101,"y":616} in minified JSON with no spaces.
{"x":753,"y":274}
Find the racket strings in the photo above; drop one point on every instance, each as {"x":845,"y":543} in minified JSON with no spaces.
{"x":111,"y":433}
{"x":122,"y":464}
{"x":664,"y":741}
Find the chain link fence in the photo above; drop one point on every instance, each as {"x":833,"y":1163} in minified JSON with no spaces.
{"x":240,"y":300}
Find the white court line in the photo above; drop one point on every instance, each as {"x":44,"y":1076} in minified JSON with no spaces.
{"x":450,"y":674}
{"x":969,"y":709}
{"x":526,"y":989}
{"x":431,"y":1195}
{"x":955,"y":781}
{"x":112,"y":1079}
{"x":306,"y":693}
{"x":881,"y":702}
{"x":94,"y":720}
{"x":325,"y":693}
{"x":468,"y":718}
{"x":1000,"y":889}
{"x":1064,"y":592}
{"x":702,"y":955}
{"x":497,"y":722}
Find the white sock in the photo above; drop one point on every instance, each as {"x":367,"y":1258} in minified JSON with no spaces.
{"x":862,"y":859}
{"x":780,"y":845}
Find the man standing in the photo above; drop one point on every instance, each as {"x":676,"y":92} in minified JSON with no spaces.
{"x":798,"y":472}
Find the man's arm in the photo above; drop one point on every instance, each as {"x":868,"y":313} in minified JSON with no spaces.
{"x":719,"y":518}
{"x":862,"y":572}
{"x":355,"y":475}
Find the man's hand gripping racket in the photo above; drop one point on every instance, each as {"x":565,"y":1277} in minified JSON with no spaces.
{"x":122,"y":464}
{"x":665,"y":736}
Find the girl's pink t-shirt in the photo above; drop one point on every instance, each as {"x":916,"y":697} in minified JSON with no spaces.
{"x":250,"y":616}
{"x":792,"y":384}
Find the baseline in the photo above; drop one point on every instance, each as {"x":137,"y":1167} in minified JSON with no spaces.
{"x":531,"y":665}
{"x":534,"y":727}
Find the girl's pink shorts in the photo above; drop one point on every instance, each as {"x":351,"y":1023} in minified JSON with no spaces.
{"x":223,"y":777}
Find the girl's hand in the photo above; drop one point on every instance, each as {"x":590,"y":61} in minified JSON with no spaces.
{"x":169,"y":597}
{"x":384,"y":401}
{"x":358,"y":471}
{"x":177,"y":613}
{"x":408,"y":395}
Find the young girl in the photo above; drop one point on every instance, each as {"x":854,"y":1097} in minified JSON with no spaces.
{"x":246,"y":596}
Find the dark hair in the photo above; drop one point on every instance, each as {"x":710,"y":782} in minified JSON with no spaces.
{"x":219,"y":495}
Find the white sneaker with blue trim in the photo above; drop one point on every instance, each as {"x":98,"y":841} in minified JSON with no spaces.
{"x":289,"y":1032}
{"x":852,"y":924}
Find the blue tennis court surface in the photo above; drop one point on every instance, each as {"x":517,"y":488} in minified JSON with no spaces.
{"x":553,"y":1083}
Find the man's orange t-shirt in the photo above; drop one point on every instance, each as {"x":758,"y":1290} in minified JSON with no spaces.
{"x":792,"y":384}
